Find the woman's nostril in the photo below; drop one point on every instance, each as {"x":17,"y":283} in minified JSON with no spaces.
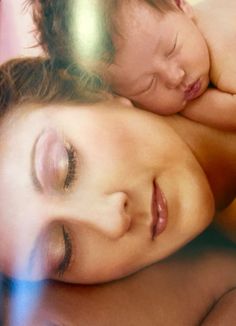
{"x":115,"y":219}
{"x":125,"y":218}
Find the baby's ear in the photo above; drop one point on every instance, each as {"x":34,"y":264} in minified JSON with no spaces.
{"x":185,"y":7}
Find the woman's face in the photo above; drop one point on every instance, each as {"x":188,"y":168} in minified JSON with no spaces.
{"x":92,"y":193}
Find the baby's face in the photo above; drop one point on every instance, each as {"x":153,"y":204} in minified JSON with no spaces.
{"x":162,"y":60}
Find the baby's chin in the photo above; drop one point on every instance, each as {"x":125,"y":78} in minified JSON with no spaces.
{"x":166,"y":111}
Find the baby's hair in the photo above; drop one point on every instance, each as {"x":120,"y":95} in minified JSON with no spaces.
{"x":54,"y":19}
{"x":38,"y":80}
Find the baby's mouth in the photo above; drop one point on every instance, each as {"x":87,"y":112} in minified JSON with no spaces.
{"x":192,"y":91}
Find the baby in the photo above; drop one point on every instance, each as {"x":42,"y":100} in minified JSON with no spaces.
{"x":171,"y":57}
{"x":165,"y":55}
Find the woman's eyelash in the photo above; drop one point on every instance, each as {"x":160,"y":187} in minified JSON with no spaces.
{"x":68,"y":254}
{"x":72,"y":166}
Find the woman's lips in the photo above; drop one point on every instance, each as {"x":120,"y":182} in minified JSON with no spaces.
{"x":159,"y":211}
{"x":50,"y":160}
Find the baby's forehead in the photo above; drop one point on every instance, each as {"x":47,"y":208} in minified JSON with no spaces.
{"x":129,"y":14}
{"x":135,"y":26}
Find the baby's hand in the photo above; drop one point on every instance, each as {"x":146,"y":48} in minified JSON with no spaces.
{"x":214,"y":108}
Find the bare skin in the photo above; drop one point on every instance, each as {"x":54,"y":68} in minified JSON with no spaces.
{"x":171,"y":74}
{"x":220,"y":102}
{"x":194,"y":184}
{"x":163,"y":294}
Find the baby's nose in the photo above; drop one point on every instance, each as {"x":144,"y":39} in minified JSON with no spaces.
{"x":174,"y":77}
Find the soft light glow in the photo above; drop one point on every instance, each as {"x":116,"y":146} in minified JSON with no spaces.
{"x":25,"y":299}
{"x":87,"y":34}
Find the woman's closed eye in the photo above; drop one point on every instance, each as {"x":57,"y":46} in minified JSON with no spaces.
{"x":54,"y":162}
{"x":65,"y":262}
{"x":52,"y":254}
{"x":71,"y":166}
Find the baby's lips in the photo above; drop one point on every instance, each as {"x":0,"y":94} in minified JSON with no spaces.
{"x":50,"y":160}
{"x":193,"y":90}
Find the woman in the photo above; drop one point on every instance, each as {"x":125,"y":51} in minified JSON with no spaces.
{"x":94,"y":192}
{"x":182,"y":290}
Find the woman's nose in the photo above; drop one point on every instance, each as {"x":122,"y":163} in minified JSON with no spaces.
{"x":112,"y":218}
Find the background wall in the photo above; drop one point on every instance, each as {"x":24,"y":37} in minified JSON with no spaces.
{"x":16,"y":37}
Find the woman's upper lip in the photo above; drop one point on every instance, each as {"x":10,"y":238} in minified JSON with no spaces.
{"x":159,"y":211}
{"x":50,"y":160}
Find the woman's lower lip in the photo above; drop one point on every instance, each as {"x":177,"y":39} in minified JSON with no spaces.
{"x":159,"y":211}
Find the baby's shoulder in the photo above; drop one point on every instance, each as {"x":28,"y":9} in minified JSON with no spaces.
{"x":221,"y":39}
{"x":221,"y":17}
{"x":216,"y":7}
{"x":217,"y":22}
{"x":223,"y":68}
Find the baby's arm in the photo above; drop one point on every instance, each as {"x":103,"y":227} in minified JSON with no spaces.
{"x":215,"y":108}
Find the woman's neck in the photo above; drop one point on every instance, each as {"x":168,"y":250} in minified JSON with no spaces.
{"x":216,"y":153}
